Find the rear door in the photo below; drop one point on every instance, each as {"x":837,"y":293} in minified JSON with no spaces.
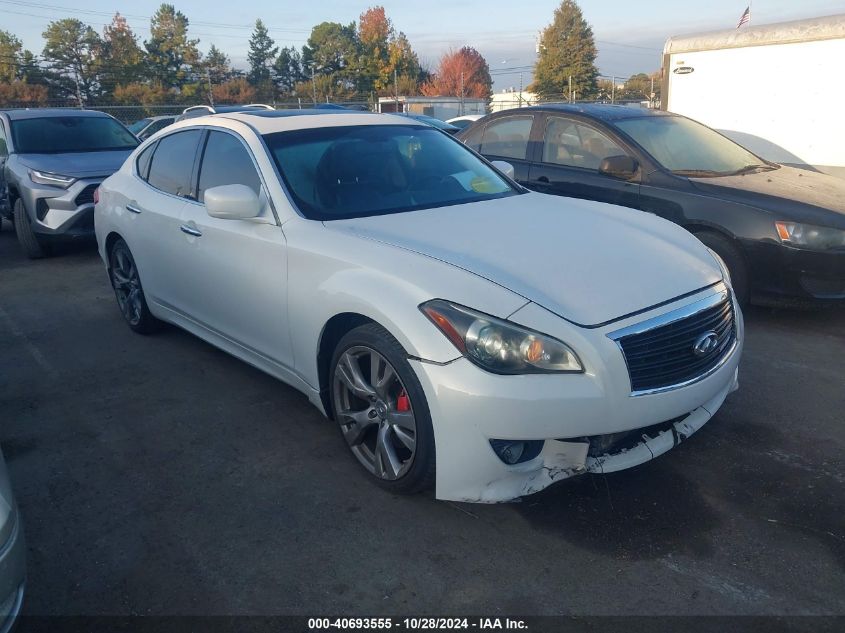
{"x":155,"y":206}
{"x":568,"y":163}
{"x":234,"y":272}
{"x":507,"y":138}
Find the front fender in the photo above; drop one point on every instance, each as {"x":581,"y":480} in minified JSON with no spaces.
{"x":332,"y":273}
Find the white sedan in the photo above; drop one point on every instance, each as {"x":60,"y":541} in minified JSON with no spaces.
{"x":461,"y":331}
{"x":465,"y":120}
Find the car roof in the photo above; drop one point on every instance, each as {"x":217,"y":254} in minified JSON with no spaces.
{"x":44,"y":113}
{"x":600,"y":111}
{"x":269,"y":121}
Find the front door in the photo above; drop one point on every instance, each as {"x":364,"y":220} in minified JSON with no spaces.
{"x":572,"y":152}
{"x":235,"y":271}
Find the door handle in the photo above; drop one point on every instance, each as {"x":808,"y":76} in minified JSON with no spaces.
{"x":190,"y":230}
{"x":132,"y":208}
{"x":543,"y":180}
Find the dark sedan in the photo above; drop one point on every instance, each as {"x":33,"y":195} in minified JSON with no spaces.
{"x":780,"y":230}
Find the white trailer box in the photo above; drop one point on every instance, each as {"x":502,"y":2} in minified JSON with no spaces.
{"x":777,"y":89}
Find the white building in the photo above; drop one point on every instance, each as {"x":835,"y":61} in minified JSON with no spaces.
{"x":438,"y":107}
{"x":512,"y":99}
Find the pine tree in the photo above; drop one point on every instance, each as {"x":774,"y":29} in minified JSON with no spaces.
{"x":122,"y":58}
{"x":218,"y":67}
{"x":567,"y":49}
{"x":262,"y":53}
{"x":72,"y":48}
{"x":288,"y":71}
{"x":171,"y":56}
{"x":10,"y":56}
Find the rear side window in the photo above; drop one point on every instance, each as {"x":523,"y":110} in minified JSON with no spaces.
{"x":173,"y":163}
{"x":143,"y":161}
{"x":507,"y":137}
{"x":226,"y":162}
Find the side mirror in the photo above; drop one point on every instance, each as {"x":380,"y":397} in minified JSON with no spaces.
{"x":505,"y":167}
{"x":232,"y":202}
{"x":621,"y":167}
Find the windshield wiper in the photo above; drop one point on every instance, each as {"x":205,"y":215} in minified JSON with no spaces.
{"x":698,"y":173}
{"x":749,"y":168}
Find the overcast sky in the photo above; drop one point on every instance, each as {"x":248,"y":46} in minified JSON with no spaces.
{"x":629,"y":35}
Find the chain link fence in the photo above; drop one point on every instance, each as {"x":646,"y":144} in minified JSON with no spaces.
{"x":438,"y":107}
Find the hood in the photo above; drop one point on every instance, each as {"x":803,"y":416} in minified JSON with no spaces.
{"x":78,"y":165}
{"x":588,"y":262}
{"x":793,"y":194}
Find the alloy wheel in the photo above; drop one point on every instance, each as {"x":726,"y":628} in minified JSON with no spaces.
{"x":375,"y":413}
{"x":127,"y":286}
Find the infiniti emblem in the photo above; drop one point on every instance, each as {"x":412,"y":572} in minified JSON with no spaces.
{"x":705,"y":343}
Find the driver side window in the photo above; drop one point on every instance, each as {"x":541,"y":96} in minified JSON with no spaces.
{"x":226,"y":162}
{"x":573,"y":144}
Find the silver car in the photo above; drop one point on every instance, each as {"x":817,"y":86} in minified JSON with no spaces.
{"x":145,"y":128}
{"x":12,"y":555}
{"x":51,"y":163}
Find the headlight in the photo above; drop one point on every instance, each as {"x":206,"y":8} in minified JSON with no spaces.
{"x":46,"y":178}
{"x":819,"y":237}
{"x":500,"y":346}
{"x":726,"y":274}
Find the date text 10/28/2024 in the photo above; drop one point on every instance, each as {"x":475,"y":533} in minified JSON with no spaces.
{"x":416,"y":624}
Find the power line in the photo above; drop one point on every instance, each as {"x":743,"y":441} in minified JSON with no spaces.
{"x":74,"y":10}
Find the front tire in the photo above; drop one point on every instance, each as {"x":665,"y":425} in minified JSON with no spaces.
{"x":29,"y":241}
{"x":381,"y":409}
{"x":126,"y":282}
{"x":734,"y":260}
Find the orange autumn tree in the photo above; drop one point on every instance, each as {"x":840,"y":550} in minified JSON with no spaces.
{"x":446,"y":81}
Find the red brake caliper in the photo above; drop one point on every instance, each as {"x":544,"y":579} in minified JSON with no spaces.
{"x":402,"y":402}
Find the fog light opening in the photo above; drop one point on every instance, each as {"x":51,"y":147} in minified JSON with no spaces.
{"x":513,"y":452}
{"x":41,"y":209}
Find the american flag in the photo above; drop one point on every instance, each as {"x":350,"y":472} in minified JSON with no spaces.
{"x":746,"y":17}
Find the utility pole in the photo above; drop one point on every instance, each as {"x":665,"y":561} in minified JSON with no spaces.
{"x":570,"y":88}
{"x":313,"y":84}
{"x":613,"y":90}
{"x":396,"y":87}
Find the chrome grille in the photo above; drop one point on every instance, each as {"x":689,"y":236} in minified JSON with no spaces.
{"x":664,"y":355}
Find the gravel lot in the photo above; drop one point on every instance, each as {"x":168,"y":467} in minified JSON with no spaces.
{"x":160,"y":476}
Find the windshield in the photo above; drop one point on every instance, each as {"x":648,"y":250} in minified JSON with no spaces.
{"x":688,"y":148}
{"x":64,"y":134}
{"x":355,"y":171}
{"x":139,"y":125}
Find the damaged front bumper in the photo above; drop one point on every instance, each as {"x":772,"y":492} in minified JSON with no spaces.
{"x":585,"y":423}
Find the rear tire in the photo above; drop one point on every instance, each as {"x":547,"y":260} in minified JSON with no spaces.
{"x":734,"y":259}
{"x":29,"y":241}
{"x":381,"y":410}
{"x":126,"y":281}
